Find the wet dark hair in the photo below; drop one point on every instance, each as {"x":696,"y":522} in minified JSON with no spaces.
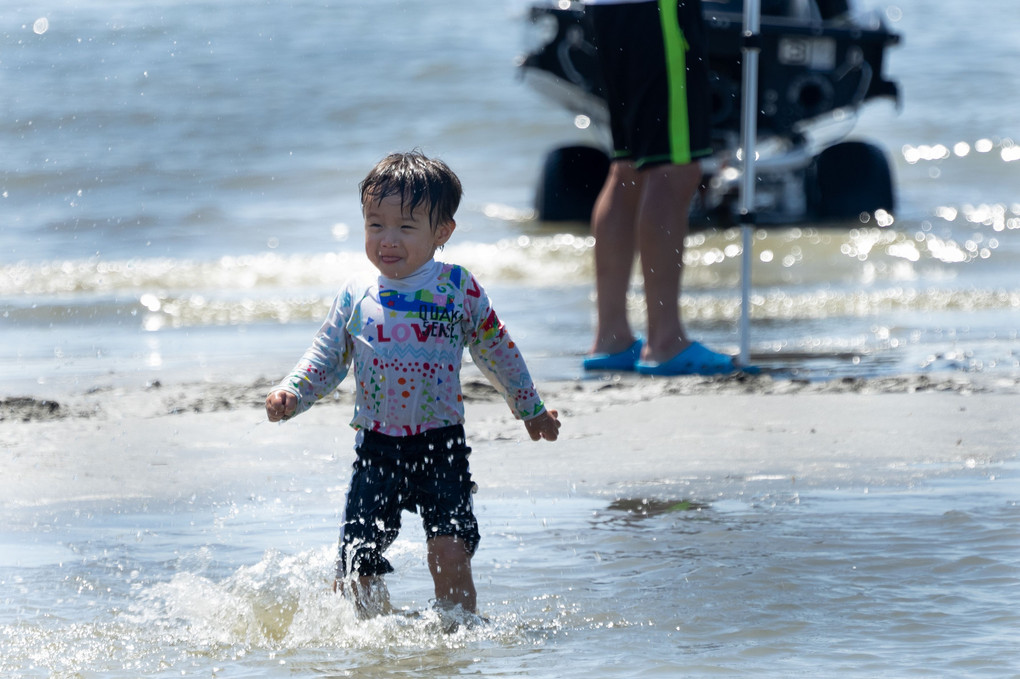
{"x":419,"y":181}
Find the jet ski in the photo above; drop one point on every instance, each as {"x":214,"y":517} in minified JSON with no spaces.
{"x":819,"y":62}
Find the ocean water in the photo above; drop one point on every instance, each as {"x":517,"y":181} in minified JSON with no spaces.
{"x":178,"y":199}
{"x":764,"y":580}
{"x":179,"y":189}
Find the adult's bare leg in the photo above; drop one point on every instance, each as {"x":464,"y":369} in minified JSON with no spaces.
{"x":614,"y":227}
{"x":662,"y":226}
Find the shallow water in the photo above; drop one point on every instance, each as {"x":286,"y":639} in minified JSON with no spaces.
{"x":712,"y":576}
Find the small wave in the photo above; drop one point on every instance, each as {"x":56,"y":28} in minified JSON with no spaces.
{"x":781,"y":257}
{"x":160,"y":309}
{"x":799,"y":274}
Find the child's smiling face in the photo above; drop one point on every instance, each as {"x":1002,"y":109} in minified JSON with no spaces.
{"x":399,"y":243}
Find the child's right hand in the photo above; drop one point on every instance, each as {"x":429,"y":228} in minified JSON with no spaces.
{"x":280,"y":405}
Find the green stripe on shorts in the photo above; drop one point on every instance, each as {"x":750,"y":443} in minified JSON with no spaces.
{"x":676,"y":75}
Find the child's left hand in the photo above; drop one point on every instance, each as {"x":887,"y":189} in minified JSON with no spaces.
{"x":545,"y":426}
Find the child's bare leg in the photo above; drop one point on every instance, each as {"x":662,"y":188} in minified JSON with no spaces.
{"x":450,"y":565}
{"x":369,"y":593}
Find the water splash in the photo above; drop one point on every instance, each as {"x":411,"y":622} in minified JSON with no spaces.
{"x":278,"y":608}
{"x":285,"y":603}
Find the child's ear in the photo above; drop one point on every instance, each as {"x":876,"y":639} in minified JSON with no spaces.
{"x":444,"y":231}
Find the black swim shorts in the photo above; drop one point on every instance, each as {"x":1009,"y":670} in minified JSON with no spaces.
{"x":654,"y":60}
{"x":425,"y":473}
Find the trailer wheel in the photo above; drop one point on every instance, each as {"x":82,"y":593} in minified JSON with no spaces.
{"x":847,"y":179}
{"x":571,"y":179}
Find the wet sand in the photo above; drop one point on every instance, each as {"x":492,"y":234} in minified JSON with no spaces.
{"x":197,"y":439}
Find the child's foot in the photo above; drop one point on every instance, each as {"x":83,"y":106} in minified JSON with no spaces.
{"x":370,"y":596}
{"x":453,"y":616}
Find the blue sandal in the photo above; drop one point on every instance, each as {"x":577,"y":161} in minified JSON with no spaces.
{"x":696,"y":359}
{"x":621,"y":361}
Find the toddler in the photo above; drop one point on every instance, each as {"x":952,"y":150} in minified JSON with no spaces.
{"x":402,"y":334}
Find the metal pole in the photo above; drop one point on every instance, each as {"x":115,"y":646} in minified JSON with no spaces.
{"x":748,"y":136}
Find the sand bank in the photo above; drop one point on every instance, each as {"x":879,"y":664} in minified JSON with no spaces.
{"x":621,"y":437}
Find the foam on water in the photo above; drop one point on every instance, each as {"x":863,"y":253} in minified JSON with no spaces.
{"x":801,"y":272}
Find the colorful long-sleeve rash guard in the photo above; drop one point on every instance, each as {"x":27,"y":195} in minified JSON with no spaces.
{"x":406,"y":339}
